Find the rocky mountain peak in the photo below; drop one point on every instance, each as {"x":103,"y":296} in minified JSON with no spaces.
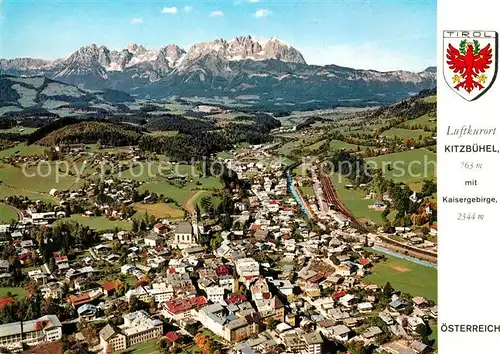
{"x":90,"y":54}
{"x":170,"y":56}
{"x":277,"y":49}
{"x":136,"y":49}
{"x":246,"y":47}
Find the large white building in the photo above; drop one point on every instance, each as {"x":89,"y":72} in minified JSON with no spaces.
{"x":138,"y":327}
{"x":215,"y":294}
{"x":45,"y":329}
{"x":160,"y":292}
{"x":247,"y":268}
{"x":304,"y":343}
{"x":183,"y":235}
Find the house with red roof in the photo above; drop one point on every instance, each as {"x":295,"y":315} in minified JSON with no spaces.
{"x":78,"y":300}
{"x":338,"y":295}
{"x":182,"y":309}
{"x":364,"y":262}
{"x":222,"y":270}
{"x":236,"y":298}
{"x":160,"y":228}
{"x":109,"y":287}
{"x":172,"y":337}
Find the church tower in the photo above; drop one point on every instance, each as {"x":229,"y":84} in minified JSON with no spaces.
{"x":194,"y":223}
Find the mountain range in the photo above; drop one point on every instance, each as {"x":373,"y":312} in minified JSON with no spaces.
{"x":244,"y":69}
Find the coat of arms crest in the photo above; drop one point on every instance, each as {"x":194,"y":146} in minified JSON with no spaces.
{"x":470,"y":62}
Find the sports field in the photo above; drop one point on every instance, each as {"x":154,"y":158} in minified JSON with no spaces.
{"x":406,"y":276}
{"x":7,"y":214}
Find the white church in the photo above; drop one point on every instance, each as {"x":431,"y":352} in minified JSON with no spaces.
{"x":186,"y":233}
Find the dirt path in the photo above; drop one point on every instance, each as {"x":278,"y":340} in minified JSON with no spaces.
{"x":189,"y":204}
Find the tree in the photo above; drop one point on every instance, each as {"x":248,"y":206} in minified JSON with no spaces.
{"x":388,"y":290}
{"x":273,"y":323}
{"x":423,"y":330}
{"x":135,"y":225}
{"x":162,"y":346}
{"x":143,"y":226}
{"x":152,"y":220}
{"x":334,"y":260}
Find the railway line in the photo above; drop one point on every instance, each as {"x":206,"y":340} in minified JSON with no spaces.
{"x":332,"y":198}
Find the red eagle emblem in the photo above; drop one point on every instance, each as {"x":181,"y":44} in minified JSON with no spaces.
{"x":469,"y":63}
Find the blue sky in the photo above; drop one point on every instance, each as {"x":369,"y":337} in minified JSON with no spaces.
{"x":376,"y":34}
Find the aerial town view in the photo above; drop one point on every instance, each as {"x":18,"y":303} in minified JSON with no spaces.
{"x":242,"y":195}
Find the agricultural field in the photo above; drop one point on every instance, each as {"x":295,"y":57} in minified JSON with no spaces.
{"x":406,"y":276}
{"x":181,"y":194}
{"x":6,"y":191}
{"x":430,"y":99}
{"x":410,"y":166}
{"x":164,"y":133}
{"x":424,"y":121}
{"x":404,"y":134}
{"x":224,"y":155}
{"x":341,"y":145}
{"x":316,"y":146}
{"x":367,"y":128}
{"x":98,"y":223}
{"x":229,"y":116}
{"x":144,"y":171}
{"x":159,"y":210}
{"x":23,"y":150}
{"x":355,"y":200}
{"x":18,"y":130}
{"x":299,"y":140}
{"x":37,"y":178}
{"x":287,"y":148}
{"x":216,"y":200}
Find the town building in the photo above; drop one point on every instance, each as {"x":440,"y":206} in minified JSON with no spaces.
{"x":138,"y":327}
{"x":45,"y":329}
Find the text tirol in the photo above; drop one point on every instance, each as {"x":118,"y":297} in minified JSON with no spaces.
{"x":469,"y":34}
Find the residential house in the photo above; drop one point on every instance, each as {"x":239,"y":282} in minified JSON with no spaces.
{"x":341,"y":332}
{"x":152,"y":240}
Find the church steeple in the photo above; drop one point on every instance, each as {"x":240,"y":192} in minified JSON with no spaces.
{"x":194,"y":222}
